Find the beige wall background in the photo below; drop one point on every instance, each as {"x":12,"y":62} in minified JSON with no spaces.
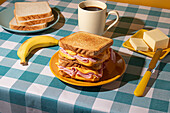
{"x":153,"y":3}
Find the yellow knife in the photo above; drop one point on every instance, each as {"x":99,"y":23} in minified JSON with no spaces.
{"x":144,"y":81}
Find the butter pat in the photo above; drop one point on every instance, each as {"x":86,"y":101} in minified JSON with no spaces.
{"x":156,"y":39}
{"x":138,"y":44}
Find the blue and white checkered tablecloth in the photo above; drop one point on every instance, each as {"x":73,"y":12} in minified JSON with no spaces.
{"x":34,"y":89}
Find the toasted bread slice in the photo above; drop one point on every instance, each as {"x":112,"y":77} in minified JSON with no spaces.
{"x":13,"y":25}
{"x":32,"y":10}
{"x":85,"y":43}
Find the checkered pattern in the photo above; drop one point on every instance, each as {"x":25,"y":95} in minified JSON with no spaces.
{"x":34,"y":88}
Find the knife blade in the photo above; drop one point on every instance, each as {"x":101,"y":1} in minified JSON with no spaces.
{"x":144,"y":81}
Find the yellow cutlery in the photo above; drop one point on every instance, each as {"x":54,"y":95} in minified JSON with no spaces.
{"x":144,"y":81}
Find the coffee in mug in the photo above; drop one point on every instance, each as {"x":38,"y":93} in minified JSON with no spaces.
{"x":92,"y":17}
{"x":92,"y":8}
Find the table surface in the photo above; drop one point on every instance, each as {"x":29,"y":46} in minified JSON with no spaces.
{"x":34,"y":88}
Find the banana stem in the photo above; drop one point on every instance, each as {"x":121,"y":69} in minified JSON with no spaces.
{"x":23,"y":62}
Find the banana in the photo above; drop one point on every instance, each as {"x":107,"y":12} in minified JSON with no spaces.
{"x":34,"y":43}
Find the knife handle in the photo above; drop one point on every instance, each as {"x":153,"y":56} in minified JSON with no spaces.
{"x":142,"y":84}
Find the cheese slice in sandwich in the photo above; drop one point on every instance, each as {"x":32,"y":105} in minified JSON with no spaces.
{"x":32,"y":10}
{"x":80,"y":73}
{"x":85,"y":60}
{"x":68,"y":63}
{"x":87,"y":50}
{"x":13,"y":25}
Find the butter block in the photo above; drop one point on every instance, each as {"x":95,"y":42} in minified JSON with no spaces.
{"x":156,"y":39}
{"x":138,"y":44}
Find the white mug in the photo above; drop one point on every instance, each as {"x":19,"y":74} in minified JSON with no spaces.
{"x":94,"y":21}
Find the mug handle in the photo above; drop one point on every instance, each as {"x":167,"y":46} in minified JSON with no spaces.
{"x":117,"y":18}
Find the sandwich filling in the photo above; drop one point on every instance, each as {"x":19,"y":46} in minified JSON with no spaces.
{"x":82,"y":59}
{"x":85,"y":73}
{"x":84,"y":56}
{"x":88,"y":74}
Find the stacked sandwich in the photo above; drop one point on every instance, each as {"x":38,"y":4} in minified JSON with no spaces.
{"x":82,"y":56}
{"x":31,"y":16}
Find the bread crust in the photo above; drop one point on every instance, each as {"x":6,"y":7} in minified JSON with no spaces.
{"x":27,"y":28}
{"x":31,"y":17}
{"x":33,"y":22}
{"x":86,"y":43}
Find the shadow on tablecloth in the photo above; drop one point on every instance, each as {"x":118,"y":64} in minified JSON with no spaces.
{"x":131,"y":75}
{"x":130,"y":79}
{"x":125,"y":26}
{"x":155,"y":75}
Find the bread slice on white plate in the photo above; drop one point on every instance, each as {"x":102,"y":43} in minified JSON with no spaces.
{"x":13,"y":25}
{"x":36,"y":21}
{"x":32,"y":10}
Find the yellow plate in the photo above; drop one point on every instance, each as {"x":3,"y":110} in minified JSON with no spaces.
{"x":112,"y":72}
{"x":149,"y":53}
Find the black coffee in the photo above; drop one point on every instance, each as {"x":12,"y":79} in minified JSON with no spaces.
{"x":92,"y":8}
